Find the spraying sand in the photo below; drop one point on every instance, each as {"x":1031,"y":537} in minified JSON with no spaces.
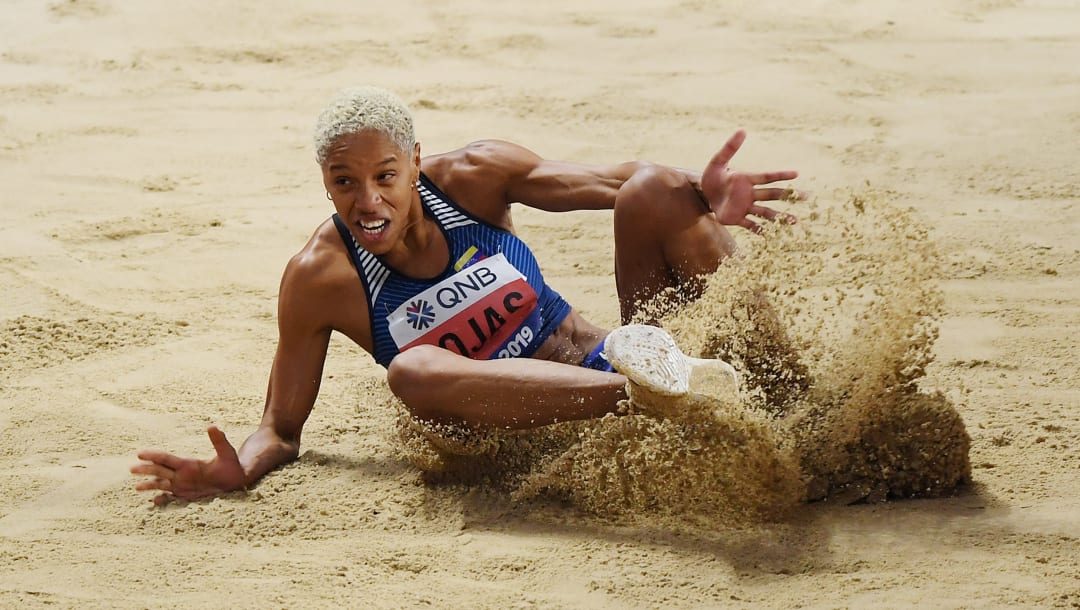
{"x":828,"y":407}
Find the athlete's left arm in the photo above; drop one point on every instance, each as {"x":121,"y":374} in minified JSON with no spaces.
{"x":557,"y":186}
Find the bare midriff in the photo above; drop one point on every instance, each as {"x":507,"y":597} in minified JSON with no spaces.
{"x":572,"y":341}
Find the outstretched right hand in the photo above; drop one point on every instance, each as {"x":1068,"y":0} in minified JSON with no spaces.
{"x":187,"y":478}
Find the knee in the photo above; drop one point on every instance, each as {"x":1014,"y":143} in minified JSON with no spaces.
{"x":653,"y":181}
{"x":413,"y":376}
{"x":657,"y":194}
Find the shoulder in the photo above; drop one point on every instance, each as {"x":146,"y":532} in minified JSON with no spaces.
{"x":322,"y":258}
{"x":488,"y":158}
{"x":481,"y":176}
{"x":320,"y":283}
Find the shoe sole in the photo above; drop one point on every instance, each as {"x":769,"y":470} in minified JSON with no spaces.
{"x":649,"y":357}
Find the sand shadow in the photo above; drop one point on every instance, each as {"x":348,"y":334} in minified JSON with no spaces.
{"x":803,"y":543}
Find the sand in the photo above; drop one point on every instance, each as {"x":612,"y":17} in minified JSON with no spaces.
{"x":158,"y":174}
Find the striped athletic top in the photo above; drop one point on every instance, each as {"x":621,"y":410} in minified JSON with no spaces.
{"x":491,"y":301}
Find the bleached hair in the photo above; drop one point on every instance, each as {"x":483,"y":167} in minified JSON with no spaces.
{"x":358,"y":109}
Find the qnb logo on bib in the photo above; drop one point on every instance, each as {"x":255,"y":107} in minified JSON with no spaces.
{"x":487,"y":310}
{"x":420,"y":314}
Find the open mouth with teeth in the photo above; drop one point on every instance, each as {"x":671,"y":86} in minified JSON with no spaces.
{"x":373,"y":227}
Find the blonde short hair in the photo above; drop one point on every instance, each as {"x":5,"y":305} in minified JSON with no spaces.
{"x":358,"y":109}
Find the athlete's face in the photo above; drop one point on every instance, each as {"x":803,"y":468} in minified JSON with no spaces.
{"x":372,"y":184}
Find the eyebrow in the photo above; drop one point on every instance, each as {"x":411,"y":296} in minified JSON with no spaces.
{"x":340,"y":166}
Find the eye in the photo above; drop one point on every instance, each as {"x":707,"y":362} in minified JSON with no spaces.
{"x":386,"y":176}
{"x":342,"y":181}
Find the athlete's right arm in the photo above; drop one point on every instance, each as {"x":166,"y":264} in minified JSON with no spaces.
{"x":304,"y":327}
{"x":303,"y":337}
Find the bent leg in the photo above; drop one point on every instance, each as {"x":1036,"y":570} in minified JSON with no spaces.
{"x":514,"y":393}
{"x":664,"y":238}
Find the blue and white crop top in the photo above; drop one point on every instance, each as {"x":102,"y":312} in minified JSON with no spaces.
{"x":490,"y":301}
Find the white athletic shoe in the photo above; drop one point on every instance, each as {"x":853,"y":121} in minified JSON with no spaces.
{"x":649,"y":358}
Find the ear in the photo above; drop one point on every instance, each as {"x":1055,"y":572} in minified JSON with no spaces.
{"x":416,"y":159}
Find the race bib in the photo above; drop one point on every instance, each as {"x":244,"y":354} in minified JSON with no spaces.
{"x":486,"y":310}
